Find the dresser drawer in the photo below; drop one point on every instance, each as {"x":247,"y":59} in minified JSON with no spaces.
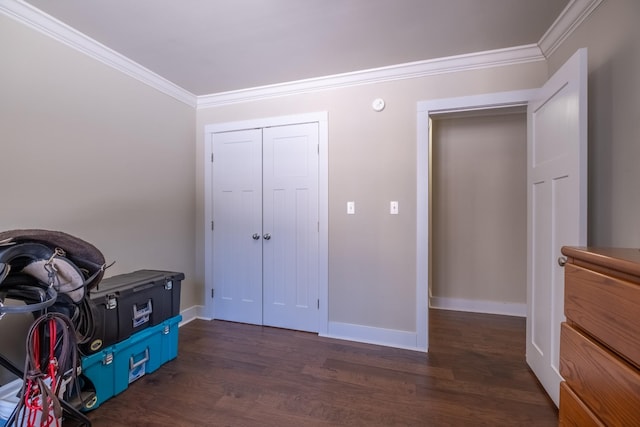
{"x":607,"y":385}
{"x":573,"y":412}
{"x":607,"y":308}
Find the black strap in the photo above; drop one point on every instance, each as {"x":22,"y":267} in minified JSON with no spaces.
{"x":25,"y":293}
{"x":26,"y":290}
{"x":30,"y":251}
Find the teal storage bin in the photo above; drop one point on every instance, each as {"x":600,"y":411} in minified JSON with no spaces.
{"x":136,"y":356}
{"x":111,"y":370}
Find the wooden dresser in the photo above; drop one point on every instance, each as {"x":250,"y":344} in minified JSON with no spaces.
{"x":600,"y":341}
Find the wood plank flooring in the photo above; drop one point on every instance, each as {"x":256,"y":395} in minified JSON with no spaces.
{"x":230,"y":374}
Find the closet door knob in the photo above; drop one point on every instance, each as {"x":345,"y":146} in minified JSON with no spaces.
{"x":267,"y":236}
{"x":255,"y":236}
{"x":562,"y":260}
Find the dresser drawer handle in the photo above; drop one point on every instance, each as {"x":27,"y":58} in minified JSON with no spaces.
{"x":562,"y":260}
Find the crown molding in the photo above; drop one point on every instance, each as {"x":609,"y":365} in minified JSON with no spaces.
{"x":568,"y":21}
{"x":451,"y":64}
{"x":57,"y":30}
{"x":571,"y":17}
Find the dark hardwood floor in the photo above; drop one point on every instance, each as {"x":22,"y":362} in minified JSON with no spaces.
{"x":229,"y":374}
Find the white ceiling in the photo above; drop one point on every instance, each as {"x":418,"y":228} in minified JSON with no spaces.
{"x":214,"y":46}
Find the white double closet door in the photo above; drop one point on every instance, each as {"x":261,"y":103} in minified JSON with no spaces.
{"x":265,"y":226}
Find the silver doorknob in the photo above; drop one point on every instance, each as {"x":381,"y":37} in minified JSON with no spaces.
{"x":267,"y":236}
{"x":255,"y":236}
{"x":562,"y":260}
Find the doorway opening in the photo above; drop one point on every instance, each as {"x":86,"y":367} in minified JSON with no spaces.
{"x":479,"y":211}
{"x":427,"y":112}
{"x":556,"y":201}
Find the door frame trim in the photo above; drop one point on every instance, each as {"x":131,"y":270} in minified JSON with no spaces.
{"x":425,"y":110}
{"x":321,"y":118}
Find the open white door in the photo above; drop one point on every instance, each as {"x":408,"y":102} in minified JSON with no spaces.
{"x":557,"y":206}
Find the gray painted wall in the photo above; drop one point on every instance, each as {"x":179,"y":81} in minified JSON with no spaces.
{"x":612,"y":35}
{"x":479,"y":201}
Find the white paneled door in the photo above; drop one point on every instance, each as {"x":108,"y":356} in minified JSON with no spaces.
{"x":265,"y":217}
{"x":557,"y":199}
{"x":290,"y":220}
{"x":237,"y":226}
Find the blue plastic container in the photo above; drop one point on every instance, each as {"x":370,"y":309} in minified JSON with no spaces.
{"x":136,"y":356}
{"x":112,"y":369}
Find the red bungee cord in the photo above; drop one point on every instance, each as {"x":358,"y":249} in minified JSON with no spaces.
{"x":40,"y":403}
{"x":39,"y":400}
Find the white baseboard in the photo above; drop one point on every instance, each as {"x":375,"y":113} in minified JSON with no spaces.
{"x":479,"y":306}
{"x":341,"y":331}
{"x":192,"y":313}
{"x":372,"y":335}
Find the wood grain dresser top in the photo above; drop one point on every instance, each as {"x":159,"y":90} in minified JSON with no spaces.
{"x":626,"y":260}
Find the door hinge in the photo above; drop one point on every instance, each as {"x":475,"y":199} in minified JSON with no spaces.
{"x":318,"y":226}
{"x":318,"y":145}
{"x":211,"y":225}
{"x":211,"y":157}
{"x":318,"y":303}
{"x":213,"y":291}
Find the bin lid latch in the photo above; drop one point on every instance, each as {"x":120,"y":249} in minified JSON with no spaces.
{"x":112,"y":302}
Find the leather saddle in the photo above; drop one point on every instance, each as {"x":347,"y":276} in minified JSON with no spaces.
{"x":42,"y":268}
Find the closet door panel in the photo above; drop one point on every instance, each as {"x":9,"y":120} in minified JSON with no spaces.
{"x":290,"y":220}
{"x":237,"y":217}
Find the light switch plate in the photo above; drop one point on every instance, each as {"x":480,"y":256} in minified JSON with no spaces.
{"x":351,"y":208}
{"x":393,"y":208}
